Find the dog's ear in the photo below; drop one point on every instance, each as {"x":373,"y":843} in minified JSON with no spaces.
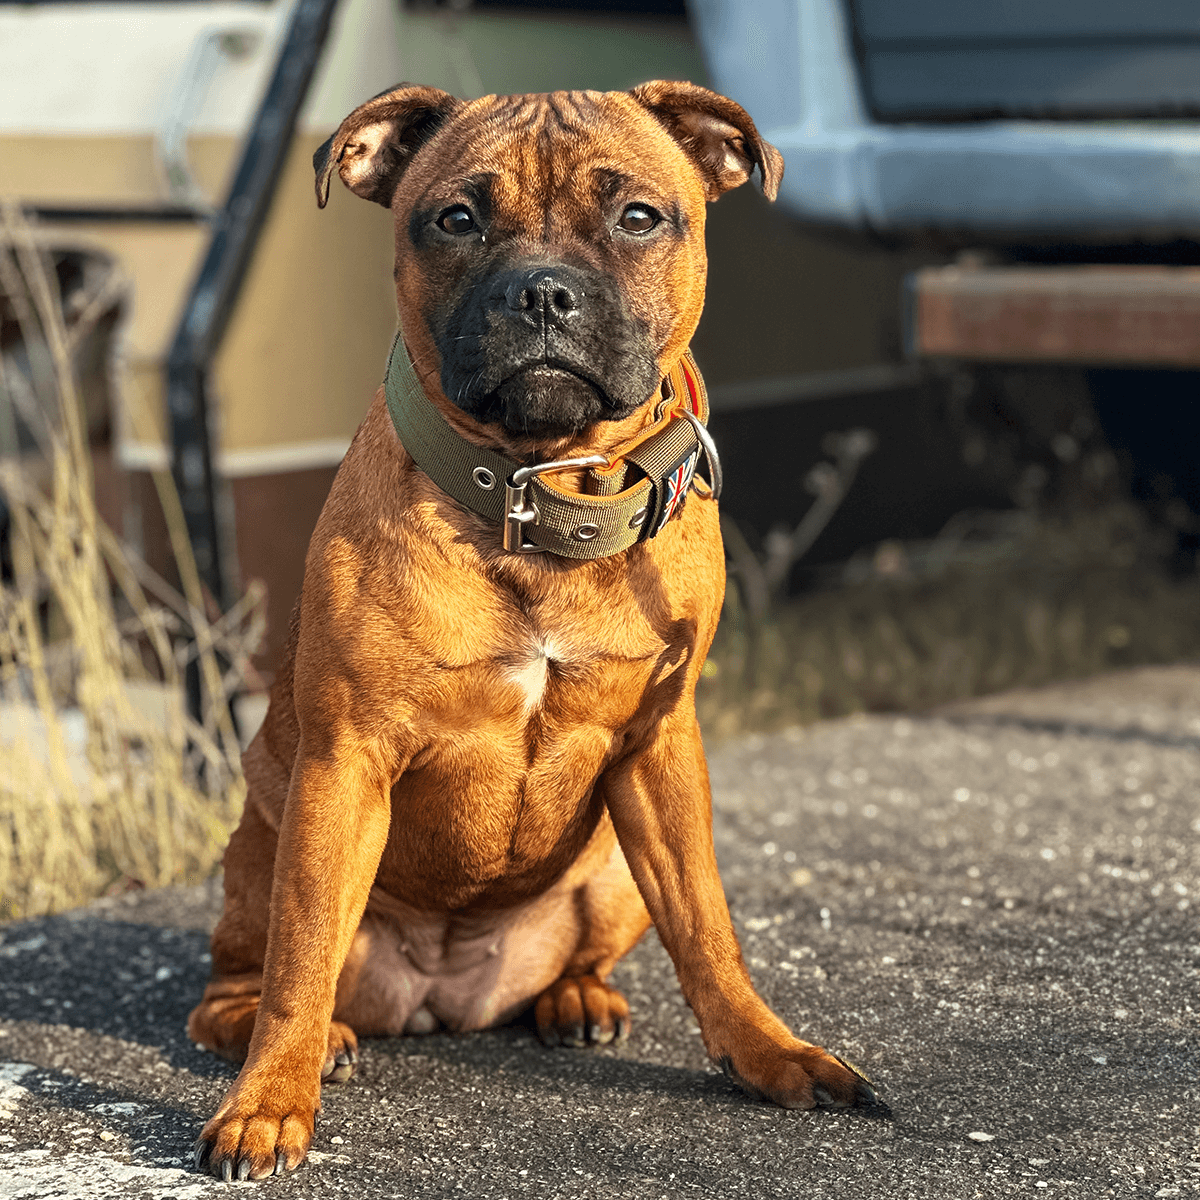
{"x":377,"y":140}
{"x":716,"y":133}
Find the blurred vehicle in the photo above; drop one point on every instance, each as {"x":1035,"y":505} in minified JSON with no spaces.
{"x":1073,"y":119}
{"x":1057,"y":145}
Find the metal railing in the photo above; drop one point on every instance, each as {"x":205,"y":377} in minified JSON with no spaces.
{"x":235,"y":230}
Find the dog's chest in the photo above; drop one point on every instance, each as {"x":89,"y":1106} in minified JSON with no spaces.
{"x":529,"y":669}
{"x":502,"y":792}
{"x":546,"y":665}
{"x":550,"y":686}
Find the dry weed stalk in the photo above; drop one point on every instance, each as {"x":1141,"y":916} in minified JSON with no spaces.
{"x":103,"y":774}
{"x":762,"y":580}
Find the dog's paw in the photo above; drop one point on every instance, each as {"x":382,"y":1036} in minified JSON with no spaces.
{"x":800,"y":1075}
{"x":265,"y":1128}
{"x":581,"y":1011}
{"x":251,"y":1139}
{"x":342,"y":1055}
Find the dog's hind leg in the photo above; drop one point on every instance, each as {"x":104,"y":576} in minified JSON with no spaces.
{"x":224,"y":1019}
{"x":581,"y":1008}
{"x":223,"y":1022}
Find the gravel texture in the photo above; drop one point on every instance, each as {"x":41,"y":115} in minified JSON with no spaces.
{"x":992,"y":910}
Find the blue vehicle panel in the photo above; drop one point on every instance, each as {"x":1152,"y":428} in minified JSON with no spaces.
{"x":1019,"y":119}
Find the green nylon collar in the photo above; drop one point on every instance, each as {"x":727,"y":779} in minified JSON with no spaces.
{"x":571,"y":524}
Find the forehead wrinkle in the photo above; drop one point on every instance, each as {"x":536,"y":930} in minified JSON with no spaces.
{"x":516,"y":187}
{"x":553,"y":156}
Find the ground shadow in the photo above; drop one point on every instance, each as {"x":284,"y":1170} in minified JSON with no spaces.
{"x":134,"y":982}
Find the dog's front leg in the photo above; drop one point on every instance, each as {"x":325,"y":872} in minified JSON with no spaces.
{"x":334,"y":827}
{"x":661,"y":808}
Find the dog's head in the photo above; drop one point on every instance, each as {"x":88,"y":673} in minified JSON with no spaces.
{"x":550,"y":259}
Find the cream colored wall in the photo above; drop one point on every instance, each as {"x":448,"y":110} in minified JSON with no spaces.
{"x":308,"y":340}
{"x":306,"y":343}
{"x":503,"y":52}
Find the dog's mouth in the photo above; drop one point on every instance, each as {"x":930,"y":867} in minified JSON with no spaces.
{"x":549,"y":398}
{"x":517,"y":352}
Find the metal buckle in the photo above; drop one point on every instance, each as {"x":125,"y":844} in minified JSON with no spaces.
{"x":517,"y":514}
{"x":710,"y":451}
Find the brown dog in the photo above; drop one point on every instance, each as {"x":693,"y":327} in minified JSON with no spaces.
{"x":480,"y":777}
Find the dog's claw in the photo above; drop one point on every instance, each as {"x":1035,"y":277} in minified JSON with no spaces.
{"x":339,"y":1066}
{"x":200,"y":1152}
{"x":865,"y":1097}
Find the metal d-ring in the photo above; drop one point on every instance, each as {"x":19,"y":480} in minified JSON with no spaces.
{"x":710,"y":451}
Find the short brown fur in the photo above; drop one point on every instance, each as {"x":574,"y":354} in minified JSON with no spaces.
{"x":480,"y":776}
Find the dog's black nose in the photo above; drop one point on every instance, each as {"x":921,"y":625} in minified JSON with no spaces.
{"x":543,"y":290}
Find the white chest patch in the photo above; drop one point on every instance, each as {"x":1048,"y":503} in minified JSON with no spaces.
{"x":531,"y":674}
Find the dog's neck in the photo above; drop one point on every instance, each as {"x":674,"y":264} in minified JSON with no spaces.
{"x":590,"y":506}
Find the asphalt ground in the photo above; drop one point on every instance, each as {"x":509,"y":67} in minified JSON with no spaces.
{"x":992,"y":910}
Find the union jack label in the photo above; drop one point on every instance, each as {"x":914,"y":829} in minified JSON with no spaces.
{"x":675,"y":485}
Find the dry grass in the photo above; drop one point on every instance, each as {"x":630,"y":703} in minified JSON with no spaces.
{"x":104,"y":777}
{"x":1023,"y":602}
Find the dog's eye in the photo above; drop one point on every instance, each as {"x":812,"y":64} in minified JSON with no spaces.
{"x":457,"y":220}
{"x":637,"y":218}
